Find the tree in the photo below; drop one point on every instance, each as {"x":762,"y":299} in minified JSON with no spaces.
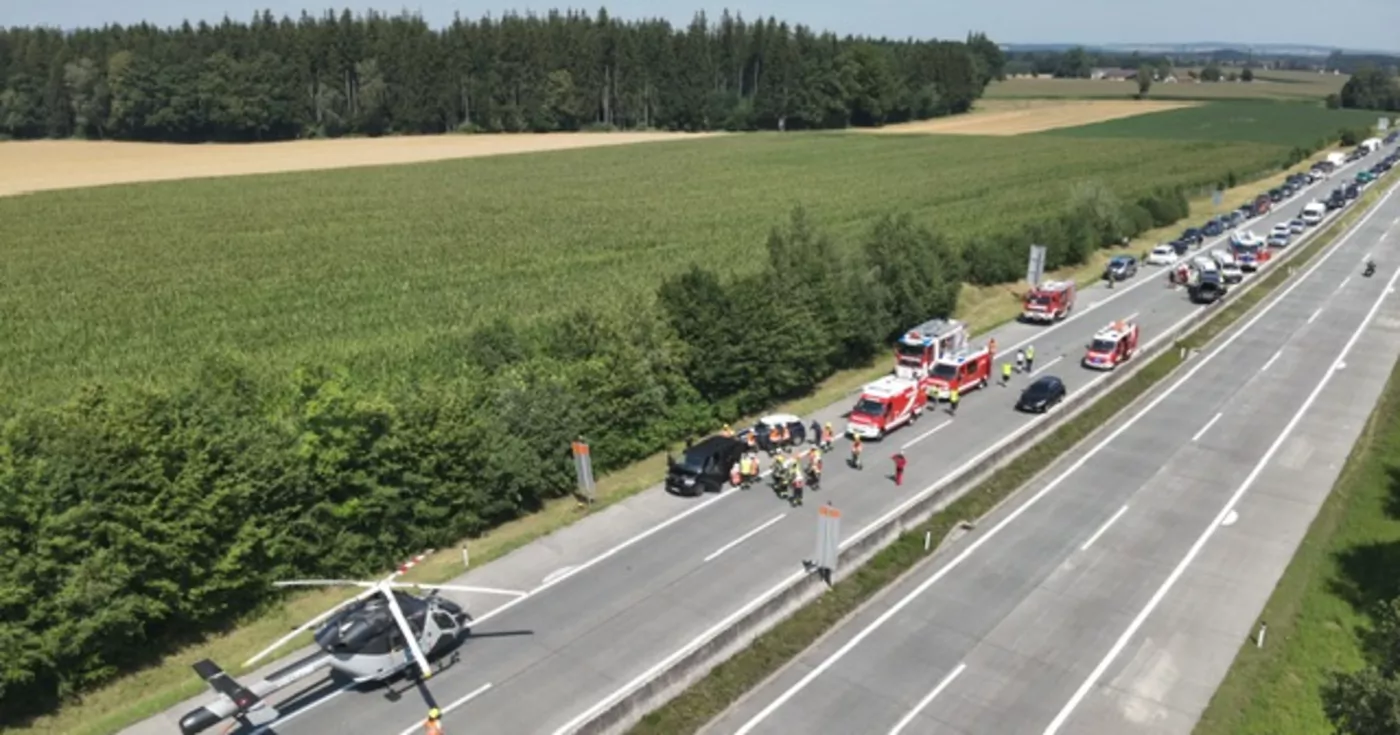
{"x":1247,"y":75}
{"x":1371,"y":88}
{"x":1363,"y":703}
{"x":1144,"y":79}
{"x":1211,"y":73}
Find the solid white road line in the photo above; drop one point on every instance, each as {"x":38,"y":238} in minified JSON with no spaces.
{"x":926,"y":434}
{"x":1195,"y":549}
{"x":1132,"y":316}
{"x":745,"y":537}
{"x":1210,"y":423}
{"x":992,"y":532}
{"x":454,"y":705}
{"x":1103,"y":528}
{"x":924,"y":702}
{"x":1046,"y":365}
{"x":1314,"y":316}
{"x":557,"y":573}
{"x":1271,"y":360}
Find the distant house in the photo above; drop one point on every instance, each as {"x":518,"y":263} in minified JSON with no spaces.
{"x":1113,"y":75}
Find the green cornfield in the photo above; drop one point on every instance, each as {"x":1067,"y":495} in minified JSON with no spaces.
{"x":1282,"y":123}
{"x":378,"y":267}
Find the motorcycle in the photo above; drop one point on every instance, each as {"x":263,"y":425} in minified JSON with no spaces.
{"x":1370,"y":269}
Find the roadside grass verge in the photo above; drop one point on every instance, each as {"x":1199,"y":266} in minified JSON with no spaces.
{"x":153,"y":690}
{"x":1318,"y":606}
{"x":749,"y":668}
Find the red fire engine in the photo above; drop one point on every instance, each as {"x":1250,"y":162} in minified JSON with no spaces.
{"x":965,"y":371}
{"x":884,"y":406}
{"x":916,"y":352}
{"x":1049,"y":302}
{"x":1112,"y":346}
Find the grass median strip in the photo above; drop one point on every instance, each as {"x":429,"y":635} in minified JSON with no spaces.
{"x":730,"y":680}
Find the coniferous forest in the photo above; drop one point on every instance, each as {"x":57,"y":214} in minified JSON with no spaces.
{"x":335,"y":75}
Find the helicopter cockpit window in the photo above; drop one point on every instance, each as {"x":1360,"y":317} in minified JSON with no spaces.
{"x":381,"y":644}
{"x":443,"y":620}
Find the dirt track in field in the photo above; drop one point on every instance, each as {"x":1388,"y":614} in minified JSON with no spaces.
{"x":1018,"y":117}
{"x":31,"y":166}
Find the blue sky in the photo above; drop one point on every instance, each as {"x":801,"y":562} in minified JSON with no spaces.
{"x":1344,"y":23}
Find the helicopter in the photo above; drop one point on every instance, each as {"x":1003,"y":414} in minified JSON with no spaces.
{"x":370,"y":637}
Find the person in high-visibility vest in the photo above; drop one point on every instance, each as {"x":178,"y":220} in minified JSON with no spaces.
{"x":1005,"y":373}
{"x":775,"y":439}
{"x":827,"y":435}
{"x":814,"y":466}
{"x":797,"y":485}
{"x":1030,"y":358}
{"x":433,"y":725}
{"x":856,"y":446}
{"x":953,"y":401}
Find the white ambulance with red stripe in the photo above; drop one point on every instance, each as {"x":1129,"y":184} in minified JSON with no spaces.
{"x":886,"y":405}
{"x":1112,"y":346}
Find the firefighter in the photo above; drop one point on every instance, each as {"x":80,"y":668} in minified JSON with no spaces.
{"x":797,"y":486}
{"x":752,"y":439}
{"x":856,"y":446}
{"x":1030,"y":358}
{"x":816,"y":432}
{"x":775,"y":440}
{"x":1005,"y":373}
{"x":433,"y":725}
{"x":827,"y":437}
{"x":992,"y":347}
{"x":814,"y":467}
{"x":736,"y":473}
{"x":953,"y":401}
{"x":899,"y":462}
{"x":787,"y":434}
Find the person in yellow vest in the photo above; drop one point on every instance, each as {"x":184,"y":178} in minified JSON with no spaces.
{"x":433,"y":725}
{"x":856,"y":446}
{"x":1030,"y":358}
{"x":775,"y":440}
{"x":814,"y":466}
{"x":953,"y":401}
{"x":1005,"y":373}
{"x":827,"y":437}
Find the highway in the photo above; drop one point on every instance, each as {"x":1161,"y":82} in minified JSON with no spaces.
{"x":1112,"y":593}
{"x":613,"y":598}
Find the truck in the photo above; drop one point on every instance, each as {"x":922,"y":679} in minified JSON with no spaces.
{"x":886,"y":405}
{"x":919,"y":349}
{"x":1370,"y":145}
{"x":1049,"y":302}
{"x":965,"y":371}
{"x":1112,"y":345}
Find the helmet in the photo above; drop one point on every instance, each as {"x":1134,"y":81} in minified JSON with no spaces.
{"x":434,"y":714}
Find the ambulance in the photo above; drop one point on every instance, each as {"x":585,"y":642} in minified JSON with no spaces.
{"x":1112,"y":345}
{"x":1049,"y":302}
{"x":918,"y":349}
{"x":965,"y":371}
{"x":886,"y":405}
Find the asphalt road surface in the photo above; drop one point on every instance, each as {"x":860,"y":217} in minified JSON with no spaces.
{"x":1112,"y":594}
{"x":615,"y":596}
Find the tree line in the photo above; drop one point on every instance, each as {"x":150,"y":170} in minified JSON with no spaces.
{"x":1371,"y":88}
{"x":1367,"y":701}
{"x":335,"y":75}
{"x":136,"y":518}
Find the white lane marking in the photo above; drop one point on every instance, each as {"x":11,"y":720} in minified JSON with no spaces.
{"x":991,"y":533}
{"x":1345,"y":281}
{"x":555,"y":574}
{"x":1103,"y":528}
{"x":454,"y":705}
{"x":1132,"y":316}
{"x":926,"y":434}
{"x":1314,"y":316}
{"x":925,"y":701}
{"x":1209,"y":424}
{"x":1046,"y":365}
{"x":1195,"y":549}
{"x":1271,"y":360}
{"x":745,"y":537}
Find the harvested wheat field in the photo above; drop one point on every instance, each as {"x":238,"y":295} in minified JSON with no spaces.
{"x":1018,"y":117}
{"x":68,"y":164}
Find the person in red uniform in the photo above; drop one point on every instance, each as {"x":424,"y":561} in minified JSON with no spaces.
{"x":899,"y":462}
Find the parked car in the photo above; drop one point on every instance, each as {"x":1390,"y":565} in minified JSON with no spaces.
{"x":1193,"y":236}
{"x":1042,"y":395}
{"x":1208,"y":289}
{"x":1162,"y":255}
{"x":1353,"y":191}
{"x":1212,"y":228}
{"x":1121,"y":268}
{"x":1235,"y":218}
{"x":1278,"y":239}
{"x":703,"y":467}
{"x":1297,"y":226}
{"x":764,"y":430}
{"x":1275,"y":195}
{"x":1365,"y":177}
{"x":1180,"y":246}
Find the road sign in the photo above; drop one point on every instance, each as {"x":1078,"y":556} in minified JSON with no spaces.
{"x":828,"y":539}
{"x":583,"y":466}
{"x":1383,"y":124}
{"x":1217,"y":197}
{"x":1035,"y":267}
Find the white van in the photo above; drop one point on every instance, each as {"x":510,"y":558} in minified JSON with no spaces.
{"x":1337,"y":159}
{"x":1371,"y":144}
{"x":1313,"y":213}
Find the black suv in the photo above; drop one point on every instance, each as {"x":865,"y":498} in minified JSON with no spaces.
{"x":703,"y":467}
{"x":1209,"y":289}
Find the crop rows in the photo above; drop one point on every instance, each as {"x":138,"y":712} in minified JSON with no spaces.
{"x":386,"y":267}
{"x":1283,"y":123}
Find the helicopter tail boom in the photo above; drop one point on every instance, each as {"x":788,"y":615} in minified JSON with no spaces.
{"x":236,"y":700}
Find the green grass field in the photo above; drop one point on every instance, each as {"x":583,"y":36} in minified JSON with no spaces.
{"x":1268,"y":84}
{"x":383,"y":267}
{"x":1282,"y":123}
{"x":1347,"y":561}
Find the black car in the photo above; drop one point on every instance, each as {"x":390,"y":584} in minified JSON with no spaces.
{"x":1353,"y":191}
{"x":1213,"y":228}
{"x":1041,"y":395}
{"x":1234,"y":218}
{"x":1275,"y":195}
{"x":1121,"y":268}
{"x":1337,"y":200}
{"x":1208,"y":289}
{"x":1180,"y":246}
{"x":703,"y":467}
{"x":1193,"y":236}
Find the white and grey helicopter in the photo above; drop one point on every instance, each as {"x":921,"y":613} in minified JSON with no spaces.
{"x":368,"y":638}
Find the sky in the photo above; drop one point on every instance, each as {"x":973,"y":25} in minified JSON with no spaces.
{"x":1353,"y":24}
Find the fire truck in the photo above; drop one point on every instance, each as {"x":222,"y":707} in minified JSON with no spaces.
{"x":1049,"y":302}
{"x":886,"y":405}
{"x":919,"y":348}
{"x":965,"y":371}
{"x":1112,"y":346}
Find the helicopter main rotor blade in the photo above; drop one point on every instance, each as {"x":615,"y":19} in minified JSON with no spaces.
{"x":323,"y":583}
{"x":307,"y":625}
{"x":460,"y":588}
{"x":409,"y":636}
